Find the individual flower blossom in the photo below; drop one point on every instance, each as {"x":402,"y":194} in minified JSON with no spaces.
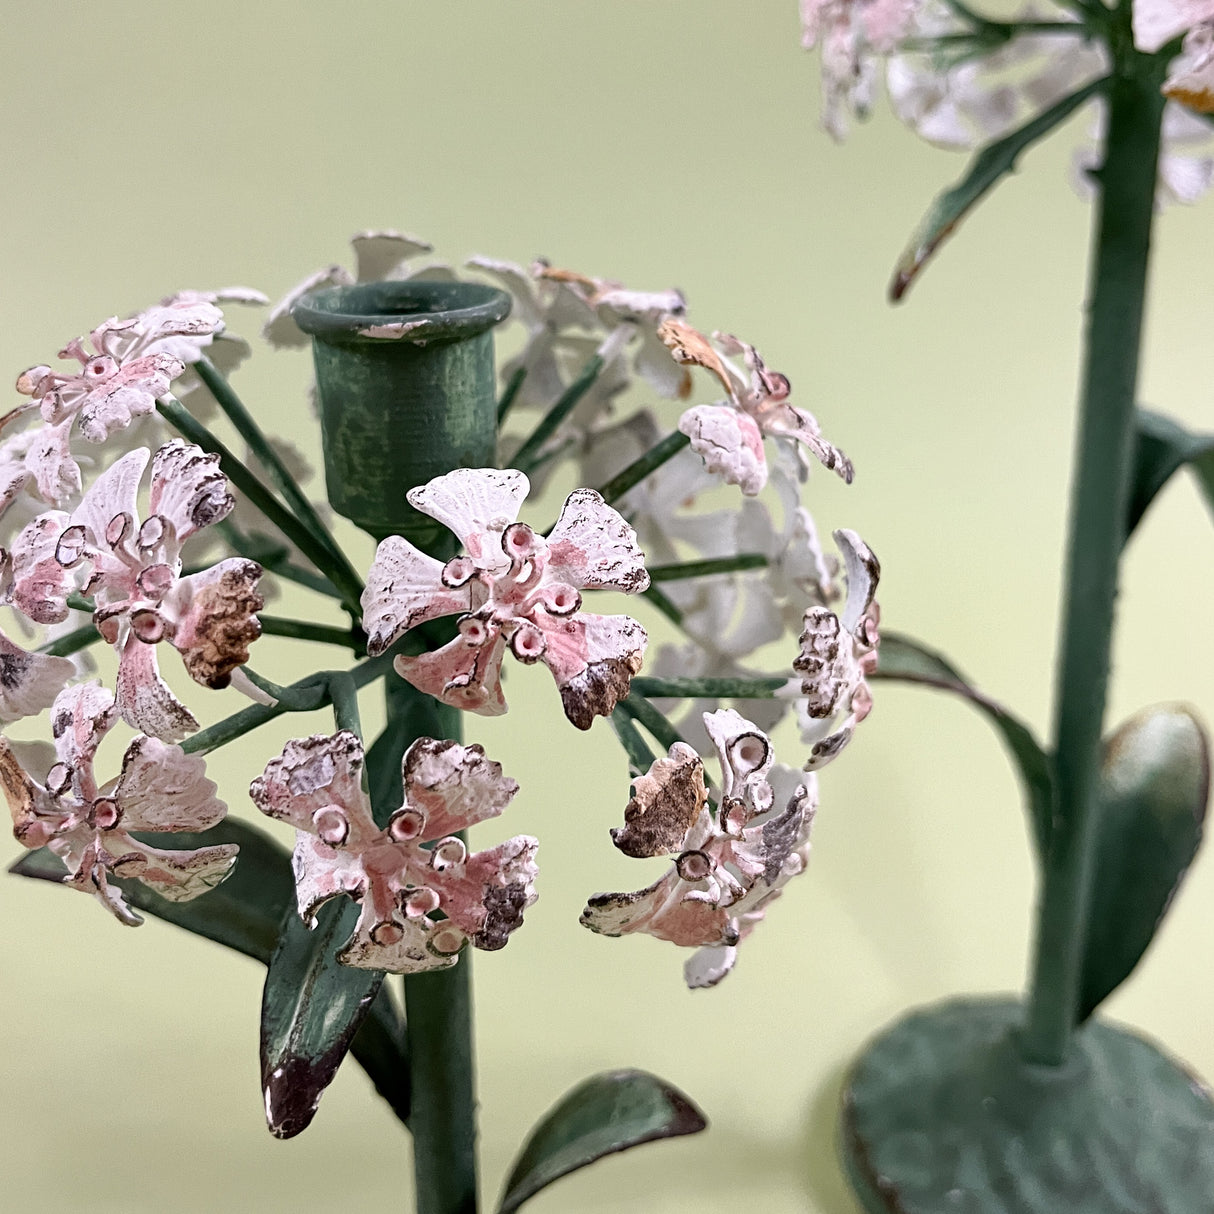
{"x":729,"y":437}
{"x":728,"y":867}
{"x":134,"y":572}
{"x":512,"y":588}
{"x":838,"y":653}
{"x":379,"y":256}
{"x":89,"y":827}
{"x":853,"y":35}
{"x":413,"y":868}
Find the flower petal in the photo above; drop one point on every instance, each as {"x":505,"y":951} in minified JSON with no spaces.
{"x":486,"y":898}
{"x":665,"y":802}
{"x":188,"y":488}
{"x":40,"y":583}
{"x":744,"y":751}
{"x":80,"y":718}
{"x":593,"y":659}
{"x":461,"y":674}
{"x":215,"y":612}
{"x":477,"y":504}
{"x":454,"y":786}
{"x":29,"y":682}
{"x":178,"y":876}
{"x":114,"y":492}
{"x":144,"y":698}
{"x":730,"y":444}
{"x":380,"y":256}
{"x":162,"y":788}
{"x":593,"y":547}
{"x":280,"y":328}
{"x":404,"y":589}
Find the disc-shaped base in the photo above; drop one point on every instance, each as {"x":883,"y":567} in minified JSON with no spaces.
{"x":940,"y":1113}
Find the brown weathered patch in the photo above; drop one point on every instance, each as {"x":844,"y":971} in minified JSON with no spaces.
{"x":815,"y":663}
{"x":19,"y":793}
{"x":14,"y":667}
{"x":599,"y":688}
{"x":504,"y":907}
{"x":666,"y":800}
{"x":225,"y":624}
{"x":691,"y":348}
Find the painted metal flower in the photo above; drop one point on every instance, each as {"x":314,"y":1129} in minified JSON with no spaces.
{"x":1158,"y":22}
{"x":838,"y":653}
{"x":512,"y":589}
{"x":853,"y":34}
{"x":729,"y":437}
{"x":415,"y":867}
{"x":29,"y":682}
{"x":89,"y":826}
{"x":134,"y":572}
{"x":728,"y":866}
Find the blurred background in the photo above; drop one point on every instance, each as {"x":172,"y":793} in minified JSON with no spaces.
{"x":150,"y":147}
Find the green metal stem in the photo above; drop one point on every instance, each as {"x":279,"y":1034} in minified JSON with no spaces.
{"x":1104,"y":451}
{"x":280,"y":476}
{"x":71,"y":642}
{"x":174,"y":412}
{"x":641,"y":467}
{"x":528,"y":455}
{"x":707,"y":568}
{"x":709,"y":688}
{"x":304,"y":630}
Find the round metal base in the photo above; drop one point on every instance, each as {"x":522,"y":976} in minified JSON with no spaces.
{"x":940,"y":1113}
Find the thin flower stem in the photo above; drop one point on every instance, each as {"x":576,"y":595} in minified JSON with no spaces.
{"x":186,"y":424}
{"x":71,"y":642}
{"x":1104,"y":454}
{"x":296,"y":698}
{"x":644,"y":713}
{"x":640,"y":755}
{"x":256,"y":715}
{"x":510,"y":394}
{"x":641,"y":467}
{"x":304,"y":630}
{"x":709,"y":689}
{"x":724,"y":564}
{"x":344,"y":696}
{"x":248,"y":429}
{"x":528,"y":455}
{"x":79,"y":602}
{"x":664,"y":605}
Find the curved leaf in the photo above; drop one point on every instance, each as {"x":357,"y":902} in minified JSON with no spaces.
{"x":1154,"y":783}
{"x":901,"y":658}
{"x":1163,"y":447}
{"x":246,"y":913}
{"x":311,"y":1007}
{"x":602,"y":1115}
{"x":992,"y":163}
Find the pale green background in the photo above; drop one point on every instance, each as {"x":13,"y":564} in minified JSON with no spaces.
{"x":148,"y":147}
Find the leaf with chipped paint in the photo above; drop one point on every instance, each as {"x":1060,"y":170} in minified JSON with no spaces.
{"x":1164,"y":447}
{"x":311,"y":1007}
{"x":986,"y":170}
{"x":604,"y":1114}
{"x":908,"y":661}
{"x":245,"y":913}
{"x":1154,"y":785}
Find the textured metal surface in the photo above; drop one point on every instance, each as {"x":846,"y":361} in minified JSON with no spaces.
{"x":940,"y":1114}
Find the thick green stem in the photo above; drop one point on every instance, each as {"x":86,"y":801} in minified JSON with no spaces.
{"x":438,"y":1005}
{"x":1104,"y":451}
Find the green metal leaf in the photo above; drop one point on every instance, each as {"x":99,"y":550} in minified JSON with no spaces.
{"x":1154,"y":785}
{"x":246,"y":913}
{"x":604,"y":1114}
{"x":1163,"y":447}
{"x":311,"y":1007}
{"x":987,"y":168}
{"x":906,"y":660}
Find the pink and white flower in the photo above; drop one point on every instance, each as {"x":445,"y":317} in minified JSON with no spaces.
{"x":89,"y":827}
{"x":413,"y":868}
{"x":133,"y":570}
{"x":728,"y":866}
{"x":854,"y":34}
{"x":838,"y":653}
{"x":512,"y":588}
{"x":29,"y":682}
{"x":729,"y":437}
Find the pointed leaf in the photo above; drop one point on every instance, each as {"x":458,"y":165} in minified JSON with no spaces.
{"x":605,"y":1114}
{"x":1162,"y":448}
{"x":245,"y":913}
{"x":987,"y":168}
{"x":1154,"y":785}
{"x":311,"y":1007}
{"x":904,"y":659}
